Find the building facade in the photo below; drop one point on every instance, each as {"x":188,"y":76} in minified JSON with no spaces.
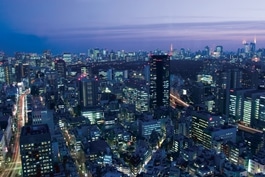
{"x":159,"y":81}
{"x":36,"y":150}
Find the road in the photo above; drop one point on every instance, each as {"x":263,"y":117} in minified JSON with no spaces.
{"x":174,"y":100}
{"x":248,"y":129}
{"x":14,"y":167}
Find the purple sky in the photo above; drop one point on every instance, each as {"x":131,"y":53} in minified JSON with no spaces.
{"x":77,"y":25}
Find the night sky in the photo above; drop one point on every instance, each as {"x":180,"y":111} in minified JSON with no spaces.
{"x":77,"y":25}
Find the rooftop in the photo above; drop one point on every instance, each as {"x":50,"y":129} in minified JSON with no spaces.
{"x":35,"y":130}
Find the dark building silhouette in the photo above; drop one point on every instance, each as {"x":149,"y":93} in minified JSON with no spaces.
{"x":22,"y":71}
{"x":60,"y":67}
{"x":159,"y":81}
{"x":226,"y":80}
{"x":249,"y":77}
{"x":88,"y":92}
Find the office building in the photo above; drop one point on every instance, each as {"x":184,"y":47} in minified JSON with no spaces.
{"x":60,"y":67}
{"x":256,"y":163}
{"x":250,"y":78}
{"x":36,"y":150}
{"x":51,"y":77}
{"x":146,"y":73}
{"x":253,"y":47}
{"x":226,"y":80}
{"x":236,"y":97}
{"x":214,"y":137}
{"x":147,"y":125}
{"x":6,"y":72}
{"x":136,"y":93}
{"x":95,"y":115}
{"x":42,"y":116}
{"x":219,"y":49}
{"x":159,"y":81}
{"x":22,"y":70}
{"x":67,"y":57}
{"x":262,"y":110}
{"x":88,"y":92}
{"x":247,"y":105}
{"x":201,"y":122}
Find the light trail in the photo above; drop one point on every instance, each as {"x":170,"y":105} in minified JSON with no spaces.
{"x":248,"y":129}
{"x":178,"y":100}
{"x":12,"y":169}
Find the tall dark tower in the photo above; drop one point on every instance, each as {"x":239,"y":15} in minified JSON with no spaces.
{"x":159,"y":81}
{"x":60,"y":67}
{"x":21,"y":71}
{"x":88,"y":92}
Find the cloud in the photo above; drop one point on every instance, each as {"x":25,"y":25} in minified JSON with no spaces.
{"x":209,"y":31}
{"x":12,"y":42}
{"x":190,"y":35}
{"x":149,"y":36}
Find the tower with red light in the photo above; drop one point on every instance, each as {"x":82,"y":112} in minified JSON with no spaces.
{"x":159,"y":91}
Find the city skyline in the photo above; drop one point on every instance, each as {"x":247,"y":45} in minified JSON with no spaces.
{"x":131,"y":114}
{"x":63,"y":26}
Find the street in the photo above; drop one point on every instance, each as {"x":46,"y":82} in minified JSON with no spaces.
{"x":13,"y":168}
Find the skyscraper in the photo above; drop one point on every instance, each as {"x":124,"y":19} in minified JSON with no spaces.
{"x":5,"y":72}
{"x":60,"y":67}
{"x":226,"y":80}
{"x":88,"y":92}
{"x":159,"y":81}
{"x":22,"y":71}
{"x":36,"y":150}
{"x":207,"y":129}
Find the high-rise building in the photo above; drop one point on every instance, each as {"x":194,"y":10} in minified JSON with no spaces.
{"x":201,"y":121}
{"x":94,"y":114}
{"x":252,"y":47}
{"x":36,"y":150}
{"x":67,"y":57}
{"x":250,"y":78}
{"x":206,"y":51}
{"x":219,"y":49}
{"x":226,"y":80}
{"x":22,"y":71}
{"x":247,"y":105}
{"x":236,"y":98}
{"x":2,"y":71}
{"x":42,"y":116}
{"x":136,"y":93}
{"x":88,"y":92}
{"x":262,"y":109}
{"x":159,"y":81}
{"x":51,"y":77}
{"x":251,"y":109}
{"x":5,"y":72}
{"x":146,"y":72}
{"x":60,"y":67}
{"x":147,"y":125}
